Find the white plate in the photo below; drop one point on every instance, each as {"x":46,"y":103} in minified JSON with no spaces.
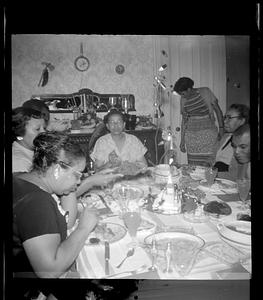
{"x":224,"y":252}
{"x":220,"y":186}
{"x":113,"y":233}
{"x":236,"y":244}
{"x":171,"y":236}
{"x":235,"y":231}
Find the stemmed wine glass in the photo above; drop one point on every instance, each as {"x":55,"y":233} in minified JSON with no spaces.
{"x":130,"y":213}
{"x":131,"y":216}
{"x":243,"y":186}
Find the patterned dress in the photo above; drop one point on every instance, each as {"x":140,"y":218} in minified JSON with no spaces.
{"x":200,"y":132}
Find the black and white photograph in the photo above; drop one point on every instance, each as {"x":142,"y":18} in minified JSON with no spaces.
{"x":128,"y":159}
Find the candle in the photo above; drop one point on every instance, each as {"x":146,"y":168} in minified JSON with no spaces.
{"x":84,"y":104}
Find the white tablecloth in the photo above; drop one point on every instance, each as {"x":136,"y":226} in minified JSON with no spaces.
{"x":90,"y":262}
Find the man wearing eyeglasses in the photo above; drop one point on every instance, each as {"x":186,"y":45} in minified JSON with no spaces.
{"x":236,"y":116}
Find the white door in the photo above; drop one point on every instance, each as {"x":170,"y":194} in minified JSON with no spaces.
{"x":202,"y":58}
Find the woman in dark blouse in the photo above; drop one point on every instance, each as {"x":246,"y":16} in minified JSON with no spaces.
{"x":41,"y":247}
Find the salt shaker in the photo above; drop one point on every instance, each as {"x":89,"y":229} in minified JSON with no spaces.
{"x":91,"y":167}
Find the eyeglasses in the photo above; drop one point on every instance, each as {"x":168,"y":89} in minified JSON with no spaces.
{"x":229,"y":117}
{"x":78,"y":175}
{"x":115,"y":122}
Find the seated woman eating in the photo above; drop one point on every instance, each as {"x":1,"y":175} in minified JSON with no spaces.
{"x":41,"y":210}
{"x":27,"y":123}
{"x":116,"y":147}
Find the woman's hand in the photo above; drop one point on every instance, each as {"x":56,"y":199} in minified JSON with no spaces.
{"x":107,"y":170}
{"x":104,"y":179}
{"x":88,"y":219}
{"x":182,"y":146}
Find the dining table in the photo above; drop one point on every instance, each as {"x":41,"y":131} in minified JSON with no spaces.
{"x":91,"y":261}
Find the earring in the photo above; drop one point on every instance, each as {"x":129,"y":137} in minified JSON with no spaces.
{"x":56,"y":175}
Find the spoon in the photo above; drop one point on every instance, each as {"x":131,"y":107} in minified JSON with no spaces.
{"x":129,"y":253}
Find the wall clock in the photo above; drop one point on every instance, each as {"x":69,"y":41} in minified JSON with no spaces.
{"x":120,"y":69}
{"x":81,"y":62}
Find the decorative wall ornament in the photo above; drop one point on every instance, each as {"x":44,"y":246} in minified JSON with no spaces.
{"x":45,"y":74}
{"x":81,"y":62}
{"x":120,"y":69}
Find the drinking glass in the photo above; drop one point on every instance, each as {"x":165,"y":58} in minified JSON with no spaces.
{"x":210,"y":175}
{"x":132,"y":220}
{"x":183,"y":260}
{"x":243,"y":186}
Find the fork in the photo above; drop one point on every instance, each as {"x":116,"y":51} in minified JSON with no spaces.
{"x":129,"y":253}
{"x":168,"y":258}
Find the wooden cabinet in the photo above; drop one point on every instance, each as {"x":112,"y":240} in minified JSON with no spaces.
{"x":149,"y":137}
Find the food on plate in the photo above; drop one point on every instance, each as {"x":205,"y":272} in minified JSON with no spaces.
{"x":243,"y":217}
{"x":106,"y":232}
{"x":188,"y":204}
{"x":217,"y":208}
{"x":92,"y":200}
{"x":130,"y":169}
{"x":188,"y":182}
{"x":224,"y":252}
{"x":240,"y":229}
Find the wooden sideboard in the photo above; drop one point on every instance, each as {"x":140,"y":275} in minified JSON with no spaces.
{"x":149,"y":137}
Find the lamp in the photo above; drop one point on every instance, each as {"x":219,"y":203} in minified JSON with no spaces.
{"x":162,"y":68}
{"x":160,"y":82}
{"x":169,"y":139}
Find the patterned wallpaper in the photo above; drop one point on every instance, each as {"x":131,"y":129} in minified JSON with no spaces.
{"x":104,"y":52}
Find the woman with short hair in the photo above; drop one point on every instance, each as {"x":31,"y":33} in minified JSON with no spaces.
{"x":117,"y":146}
{"x":199,"y":134}
{"x":41,"y":247}
{"x":27,"y":123}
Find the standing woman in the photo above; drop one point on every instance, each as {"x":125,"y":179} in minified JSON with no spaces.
{"x":199,"y":134}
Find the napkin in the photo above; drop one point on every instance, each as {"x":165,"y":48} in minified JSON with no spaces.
{"x":139,"y":258}
{"x":91,"y":263}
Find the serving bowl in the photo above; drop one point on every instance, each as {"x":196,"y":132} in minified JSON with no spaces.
{"x":162,"y":171}
{"x":236,"y":231}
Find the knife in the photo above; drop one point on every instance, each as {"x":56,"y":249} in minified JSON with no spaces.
{"x":105,"y":203}
{"x":107,"y":257}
